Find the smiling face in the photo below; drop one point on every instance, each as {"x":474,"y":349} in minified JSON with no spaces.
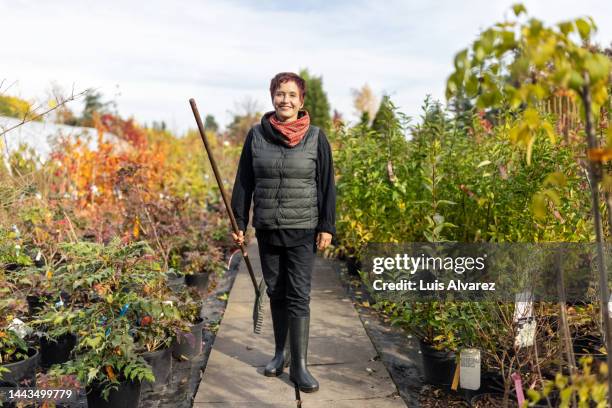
{"x":287,"y":101}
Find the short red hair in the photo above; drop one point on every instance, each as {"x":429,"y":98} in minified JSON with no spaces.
{"x":283,"y":77}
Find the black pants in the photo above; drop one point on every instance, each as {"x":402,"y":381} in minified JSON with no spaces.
{"x":288,"y":273}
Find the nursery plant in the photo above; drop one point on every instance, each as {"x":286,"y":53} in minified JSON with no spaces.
{"x":106,"y":354}
{"x":517,"y":65}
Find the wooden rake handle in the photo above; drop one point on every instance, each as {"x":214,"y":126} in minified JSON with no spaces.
{"x":228,"y":206}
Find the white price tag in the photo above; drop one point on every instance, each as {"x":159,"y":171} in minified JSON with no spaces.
{"x":469,"y":372}
{"x":523,"y":306}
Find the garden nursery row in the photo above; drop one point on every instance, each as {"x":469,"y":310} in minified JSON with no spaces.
{"x":108,"y":252}
{"x":106,"y":256}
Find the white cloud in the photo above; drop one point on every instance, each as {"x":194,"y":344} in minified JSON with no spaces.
{"x":161,"y":53}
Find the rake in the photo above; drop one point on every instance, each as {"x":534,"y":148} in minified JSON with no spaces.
{"x":259,"y":288}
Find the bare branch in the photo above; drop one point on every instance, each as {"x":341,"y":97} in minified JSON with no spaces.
{"x":61,"y":103}
{"x":7,"y":88}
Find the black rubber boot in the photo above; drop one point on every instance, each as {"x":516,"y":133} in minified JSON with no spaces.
{"x":281,"y":339}
{"x":299,"y":374}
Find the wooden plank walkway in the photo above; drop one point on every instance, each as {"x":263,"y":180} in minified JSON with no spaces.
{"x":340,"y":354}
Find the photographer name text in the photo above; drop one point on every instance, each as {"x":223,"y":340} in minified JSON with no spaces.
{"x":408,"y":285}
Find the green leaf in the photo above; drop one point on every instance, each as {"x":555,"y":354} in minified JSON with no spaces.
{"x":557,"y":179}
{"x":576,"y":81}
{"x":451,"y":85}
{"x":584,"y":28}
{"x":553,"y":196}
{"x":471,"y":86}
{"x":538,"y":206}
{"x":533,"y":395}
{"x":598,"y":67}
{"x":531,"y":117}
{"x":92,"y":373}
{"x":518,"y":9}
{"x":461,"y":60}
{"x":550,"y":132}
{"x":93,"y":342}
{"x":530,"y":149}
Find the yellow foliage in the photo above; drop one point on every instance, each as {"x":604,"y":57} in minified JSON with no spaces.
{"x":14,"y":107}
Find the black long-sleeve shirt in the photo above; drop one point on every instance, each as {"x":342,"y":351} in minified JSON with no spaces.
{"x":326,"y":192}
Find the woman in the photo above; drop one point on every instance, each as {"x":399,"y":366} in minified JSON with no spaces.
{"x":286,"y":167}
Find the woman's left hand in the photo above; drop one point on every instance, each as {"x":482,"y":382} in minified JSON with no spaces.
{"x":323,"y":240}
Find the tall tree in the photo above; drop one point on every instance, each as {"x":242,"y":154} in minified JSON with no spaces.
{"x":385,"y":116}
{"x":210,"y":123}
{"x":316,"y":102}
{"x":94,"y":103}
{"x":364,"y":102}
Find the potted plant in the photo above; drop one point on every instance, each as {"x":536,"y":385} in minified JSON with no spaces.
{"x":12,"y":255}
{"x":199,"y":264}
{"x":188,"y":341}
{"x":584,"y":323}
{"x":442,"y":328}
{"x":157,"y":323}
{"x":505,"y":350}
{"x":18,"y":361}
{"x":57,"y":333}
{"x":432,"y":324}
{"x":105,"y":359}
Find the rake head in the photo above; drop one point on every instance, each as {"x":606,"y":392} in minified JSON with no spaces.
{"x":258,"y":308}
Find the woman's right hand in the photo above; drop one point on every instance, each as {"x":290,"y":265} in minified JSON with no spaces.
{"x":238,"y":239}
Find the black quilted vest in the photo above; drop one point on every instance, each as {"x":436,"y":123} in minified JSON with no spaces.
{"x":285,"y":195}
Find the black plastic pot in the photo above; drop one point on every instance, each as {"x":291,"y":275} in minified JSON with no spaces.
{"x":589,"y":345}
{"x":189,"y":345}
{"x":12,"y":267}
{"x":8,"y":384}
{"x":438,"y":366}
{"x":23,"y":372}
{"x":126,"y":396}
{"x":175,"y":282}
{"x":353,"y":265}
{"x":58,"y":351}
{"x":197,"y":280}
{"x":161,"y":365}
{"x":35,"y":303}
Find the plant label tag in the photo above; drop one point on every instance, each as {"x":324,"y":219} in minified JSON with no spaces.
{"x":518,"y":387}
{"x":526,"y":333}
{"x":19,"y":328}
{"x":610,"y":305}
{"x":469,"y":371}
{"x":523,"y":306}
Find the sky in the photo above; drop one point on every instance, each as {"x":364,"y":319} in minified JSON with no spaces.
{"x":152,"y":56}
